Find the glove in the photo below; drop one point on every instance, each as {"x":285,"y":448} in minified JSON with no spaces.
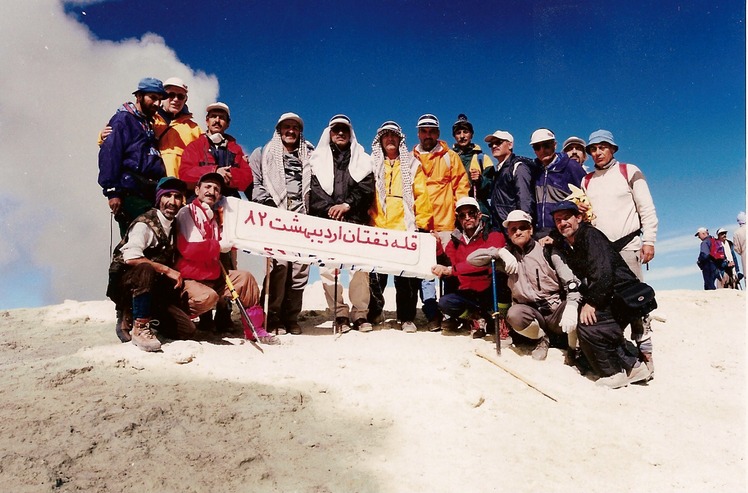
{"x":483,"y":256}
{"x":569,"y":319}
{"x":510,"y":263}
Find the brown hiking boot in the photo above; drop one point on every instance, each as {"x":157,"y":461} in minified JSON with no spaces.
{"x":144,"y":336}
{"x":541,"y":350}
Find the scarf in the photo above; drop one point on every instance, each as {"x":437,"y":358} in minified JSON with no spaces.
{"x":322,"y":163}
{"x":408,"y":166}
{"x":203,"y":216}
{"x":273,"y":170}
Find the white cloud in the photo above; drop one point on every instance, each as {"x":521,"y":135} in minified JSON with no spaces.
{"x":60,"y":86}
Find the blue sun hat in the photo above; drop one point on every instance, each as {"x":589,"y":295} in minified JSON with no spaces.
{"x":599,"y":136}
{"x":150,"y":85}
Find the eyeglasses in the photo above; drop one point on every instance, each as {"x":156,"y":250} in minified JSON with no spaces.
{"x":340,"y":129}
{"x":543,"y":145}
{"x":180,"y":96}
{"x":469,"y":214}
{"x":522,"y":227}
{"x":495,"y":143}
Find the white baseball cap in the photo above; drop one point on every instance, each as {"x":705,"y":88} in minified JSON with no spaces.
{"x":175,"y":82}
{"x":467,"y":201}
{"x":219,"y":106}
{"x":541,"y":135}
{"x":499,"y":135}
{"x":517,"y":216}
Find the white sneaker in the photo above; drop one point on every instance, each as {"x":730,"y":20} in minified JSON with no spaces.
{"x":616,"y":381}
{"x":409,"y":327}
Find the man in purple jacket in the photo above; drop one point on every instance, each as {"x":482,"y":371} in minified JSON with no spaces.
{"x":130,"y":164}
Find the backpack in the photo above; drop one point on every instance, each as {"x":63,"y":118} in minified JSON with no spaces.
{"x":622,"y":167}
{"x":716,"y":249}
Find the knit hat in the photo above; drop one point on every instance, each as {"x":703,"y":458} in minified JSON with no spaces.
{"x":290,"y":116}
{"x":150,"y":85}
{"x":599,"y":136}
{"x":541,"y":135}
{"x":169,"y":184}
{"x":462,"y":122}
{"x":427,"y":120}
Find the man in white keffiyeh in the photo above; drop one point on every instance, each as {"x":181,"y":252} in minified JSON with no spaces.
{"x":282,"y":178}
{"x":342,"y":189}
{"x":401,"y":203}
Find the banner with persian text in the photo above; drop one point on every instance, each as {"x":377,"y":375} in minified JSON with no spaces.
{"x":283,"y":235}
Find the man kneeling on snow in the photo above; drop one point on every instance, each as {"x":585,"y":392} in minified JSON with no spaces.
{"x":200,"y":244}
{"x":142,"y":281}
{"x":545,"y":292}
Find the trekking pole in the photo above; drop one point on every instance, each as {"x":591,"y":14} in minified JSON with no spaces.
{"x":335,"y":305}
{"x":242,"y":310}
{"x":496,"y":323}
{"x":266,"y":288}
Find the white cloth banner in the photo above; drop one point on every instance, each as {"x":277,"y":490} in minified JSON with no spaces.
{"x":283,"y":235}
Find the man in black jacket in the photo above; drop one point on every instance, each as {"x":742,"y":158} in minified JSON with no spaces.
{"x":603,"y":271}
{"x":342,"y":188}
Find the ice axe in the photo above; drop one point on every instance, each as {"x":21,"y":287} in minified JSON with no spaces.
{"x":242,"y":310}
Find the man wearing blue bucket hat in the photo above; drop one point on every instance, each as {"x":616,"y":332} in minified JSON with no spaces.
{"x":130,"y":164}
{"x":620,"y":197}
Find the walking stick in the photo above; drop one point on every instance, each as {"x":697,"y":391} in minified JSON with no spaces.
{"x":266,"y":288}
{"x":242,"y":310}
{"x":335,"y":306}
{"x":496,"y":323}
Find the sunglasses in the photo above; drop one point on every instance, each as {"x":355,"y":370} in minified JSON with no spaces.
{"x":340,"y":129}
{"x":521,"y":227}
{"x":465,"y":215}
{"x":180,"y":96}
{"x":542,"y":145}
{"x":496,"y":143}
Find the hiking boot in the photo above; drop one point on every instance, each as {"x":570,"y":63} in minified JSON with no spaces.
{"x":206,"y":323}
{"x":377,"y":319}
{"x":124,"y":325}
{"x":570,"y":359}
{"x":144,"y":336}
{"x":541,"y":349}
{"x":616,"y":381}
{"x":265,"y":338}
{"x":434,"y":325}
{"x":292,"y":328}
{"x":222,"y":320}
{"x":276,"y":327}
{"x":342,"y":324}
{"x":478,"y":329}
{"x":639,"y":373}
{"x":451,"y":324}
{"x":362,"y":325}
{"x":409,"y":327}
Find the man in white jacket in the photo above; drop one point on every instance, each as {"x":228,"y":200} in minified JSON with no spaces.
{"x":620,"y":198}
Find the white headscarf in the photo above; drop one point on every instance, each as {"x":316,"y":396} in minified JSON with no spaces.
{"x":273,"y":170}
{"x":322,"y":163}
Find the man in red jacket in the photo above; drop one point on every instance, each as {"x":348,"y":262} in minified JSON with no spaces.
{"x":217,"y":152}
{"x":474,"y":297}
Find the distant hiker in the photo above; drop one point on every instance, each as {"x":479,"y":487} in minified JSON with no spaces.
{"x":620,"y":197}
{"x":554,"y":172}
{"x":143,"y":283}
{"x":509,"y":183}
{"x":545,"y":292}
{"x":282,"y":178}
{"x":738,"y":239}
{"x":342,"y":189}
{"x":711,"y":259}
{"x":172,"y":124}
{"x":217,"y":152}
{"x":593,"y":259}
{"x":200,"y":242}
{"x":732,"y":275}
{"x":575,"y":148}
{"x":474,"y":160}
{"x":446,"y":183}
{"x":401,"y":203}
{"x":472,"y":303}
{"x":130,"y":164}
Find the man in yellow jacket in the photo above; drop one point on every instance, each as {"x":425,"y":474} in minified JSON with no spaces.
{"x":401,"y":203}
{"x":174,"y":126}
{"x":446,"y":183}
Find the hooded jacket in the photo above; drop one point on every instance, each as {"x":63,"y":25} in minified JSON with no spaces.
{"x":174,"y":134}
{"x":552,"y":186}
{"x":203,"y":156}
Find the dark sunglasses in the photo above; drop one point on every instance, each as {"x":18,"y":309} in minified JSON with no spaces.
{"x":521,"y":227}
{"x":542,"y":145}
{"x":465,"y":215}
{"x":340,"y":128}
{"x":180,"y":96}
{"x":495,"y":143}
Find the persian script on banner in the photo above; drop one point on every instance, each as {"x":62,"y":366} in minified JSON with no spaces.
{"x":284,"y":235}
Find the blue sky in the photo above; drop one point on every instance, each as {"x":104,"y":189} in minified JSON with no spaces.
{"x":667,"y":78}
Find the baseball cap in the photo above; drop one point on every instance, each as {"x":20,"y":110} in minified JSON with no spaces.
{"x":212,"y":176}
{"x":541,"y":135}
{"x":175,"y":82}
{"x":516,"y":216}
{"x":499,"y":135}
{"x":573,"y":140}
{"x":290,"y":116}
{"x":467,"y":201}
{"x":218,"y":106}
{"x":427,"y":120}
{"x":150,"y":85}
{"x":701,"y":230}
{"x":565,"y":205}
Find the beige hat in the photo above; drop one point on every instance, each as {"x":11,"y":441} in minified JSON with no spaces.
{"x":290,"y":116}
{"x":499,"y":135}
{"x":175,"y":82}
{"x":218,"y":106}
{"x":541,"y":135}
{"x":573,"y":140}
{"x":467,"y":201}
{"x":517,"y":216}
{"x":701,"y":230}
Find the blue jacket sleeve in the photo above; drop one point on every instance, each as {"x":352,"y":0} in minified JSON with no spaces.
{"x":111,"y":154}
